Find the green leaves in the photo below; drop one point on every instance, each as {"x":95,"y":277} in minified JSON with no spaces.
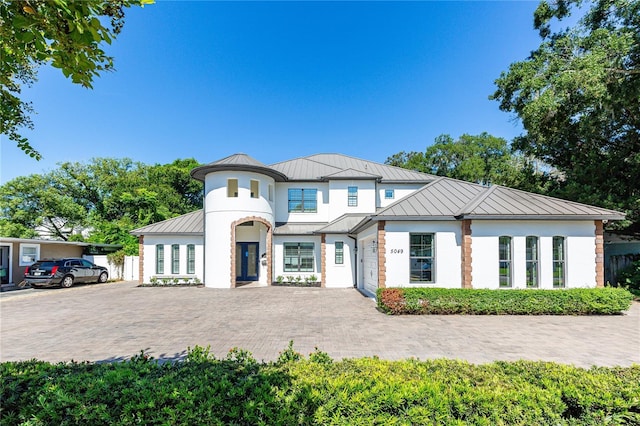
{"x":578,"y":97}
{"x":69,"y":35}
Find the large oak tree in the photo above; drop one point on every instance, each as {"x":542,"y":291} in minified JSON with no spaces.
{"x":69,"y":35}
{"x":578,"y":97}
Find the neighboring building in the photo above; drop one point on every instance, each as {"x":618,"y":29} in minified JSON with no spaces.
{"x":352,"y":222}
{"x":18,"y":253}
{"x":620,"y":250}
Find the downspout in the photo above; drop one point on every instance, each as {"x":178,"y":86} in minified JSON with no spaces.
{"x":355,"y":263}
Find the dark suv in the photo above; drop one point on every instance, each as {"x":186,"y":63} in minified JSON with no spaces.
{"x":64,"y":272}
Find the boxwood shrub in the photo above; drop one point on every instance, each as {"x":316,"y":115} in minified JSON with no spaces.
{"x":316,"y":390}
{"x":594,"y":301}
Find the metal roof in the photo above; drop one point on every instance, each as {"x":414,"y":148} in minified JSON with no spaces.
{"x":315,"y":167}
{"x":190,"y":223}
{"x":70,"y":243}
{"x":236,"y":162}
{"x":292,"y":228}
{"x":342,"y":225}
{"x":499,"y":202}
{"x":441,"y":199}
{"x":351,"y":174}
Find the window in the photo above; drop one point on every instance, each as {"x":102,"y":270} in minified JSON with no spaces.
{"x":421,"y":256}
{"x":255,"y":189}
{"x":29,"y":253}
{"x":558,"y":262}
{"x":270,"y":187}
{"x":298,"y":257}
{"x":339,"y":252}
{"x":389,"y":194}
{"x":159,"y":259}
{"x":504,"y":244}
{"x":352,"y":196}
{"x":532,"y":261}
{"x":175,"y":259}
{"x":232,"y":188}
{"x":303,"y":200}
{"x":191,"y":259}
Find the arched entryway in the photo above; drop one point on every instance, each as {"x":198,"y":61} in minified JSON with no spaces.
{"x":251,"y":246}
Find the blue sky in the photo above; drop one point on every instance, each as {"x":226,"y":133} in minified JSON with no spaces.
{"x":283,"y":80}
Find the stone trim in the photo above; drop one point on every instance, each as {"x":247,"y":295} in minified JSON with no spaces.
{"x":382,"y":255}
{"x":466,"y":252}
{"x":599,"y":253}
{"x":268,"y":243}
{"x":141,"y":259}
{"x":323,"y":260}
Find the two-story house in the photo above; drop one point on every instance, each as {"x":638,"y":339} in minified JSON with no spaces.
{"x":353,"y":222}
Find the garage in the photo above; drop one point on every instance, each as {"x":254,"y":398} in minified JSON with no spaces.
{"x":369,"y":265}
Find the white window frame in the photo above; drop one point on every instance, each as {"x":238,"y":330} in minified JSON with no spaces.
{"x":191,"y":258}
{"x":175,"y":259}
{"x":352,"y":196}
{"x":508,"y":261}
{"x":22,"y":255}
{"x":532,"y":263}
{"x":556,"y":261}
{"x":230,"y":190}
{"x":159,"y":259}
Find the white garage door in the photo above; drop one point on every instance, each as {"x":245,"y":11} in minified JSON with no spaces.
{"x":369,"y":266}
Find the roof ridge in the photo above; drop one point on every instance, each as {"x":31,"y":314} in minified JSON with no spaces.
{"x":554,"y":198}
{"x":475,"y":201}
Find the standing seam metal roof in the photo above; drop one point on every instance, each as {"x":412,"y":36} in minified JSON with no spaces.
{"x":190,"y":223}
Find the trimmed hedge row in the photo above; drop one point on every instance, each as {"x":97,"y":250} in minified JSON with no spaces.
{"x":295,"y":391}
{"x":579,"y":301}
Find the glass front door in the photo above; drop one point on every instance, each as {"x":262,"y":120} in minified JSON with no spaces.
{"x":247,"y":261}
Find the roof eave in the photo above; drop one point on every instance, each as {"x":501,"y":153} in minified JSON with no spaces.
{"x":542,"y":217}
{"x":199,"y":173}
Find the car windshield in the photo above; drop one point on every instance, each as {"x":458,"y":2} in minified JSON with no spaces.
{"x":45,"y":264}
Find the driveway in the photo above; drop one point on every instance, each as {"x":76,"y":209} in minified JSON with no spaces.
{"x":110,"y":322}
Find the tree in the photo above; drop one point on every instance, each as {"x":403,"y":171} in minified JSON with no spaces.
{"x":67,"y":34}
{"x":578,"y":96}
{"x":102,"y":200}
{"x":483,"y":158}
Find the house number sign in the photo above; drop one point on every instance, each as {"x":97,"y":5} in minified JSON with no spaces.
{"x":396,"y":251}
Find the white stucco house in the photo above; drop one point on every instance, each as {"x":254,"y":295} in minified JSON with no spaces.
{"x":353,"y":222}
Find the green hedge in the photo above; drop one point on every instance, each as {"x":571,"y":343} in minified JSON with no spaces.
{"x":239,"y":390}
{"x":595,"y":301}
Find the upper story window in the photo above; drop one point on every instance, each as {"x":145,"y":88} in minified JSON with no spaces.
{"x":29,"y":253}
{"x":389,"y":194}
{"x":270,"y":188}
{"x":559,"y":262}
{"x":303,"y":200}
{"x":504,"y":250}
{"x":232,"y":188}
{"x":255,"y":189}
{"x":352,"y":196}
{"x":532,"y":256}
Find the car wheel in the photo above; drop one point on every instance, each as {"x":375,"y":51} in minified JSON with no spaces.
{"x":103,"y":277}
{"x":67,"y":281}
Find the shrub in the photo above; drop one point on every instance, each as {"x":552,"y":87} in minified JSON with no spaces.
{"x":237,"y":389}
{"x":597,"y":301}
{"x":279,"y":279}
{"x":630,"y":276}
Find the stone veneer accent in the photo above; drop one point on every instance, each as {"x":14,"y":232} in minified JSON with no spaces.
{"x":269,"y":247}
{"x":599,"y":253}
{"x":382,"y":255}
{"x":466,"y":254}
{"x":323,"y":260}
{"x":141,"y":259}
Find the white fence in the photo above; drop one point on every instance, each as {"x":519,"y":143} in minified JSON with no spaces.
{"x":130,"y":271}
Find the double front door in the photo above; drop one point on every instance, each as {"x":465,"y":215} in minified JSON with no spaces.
{"x":247,"y":261}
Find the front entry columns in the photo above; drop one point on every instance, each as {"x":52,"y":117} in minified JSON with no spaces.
{"x":269,"y":247}
{"x":466,"y":254}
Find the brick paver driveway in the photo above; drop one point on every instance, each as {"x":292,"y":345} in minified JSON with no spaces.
{"x":115,"y":321}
